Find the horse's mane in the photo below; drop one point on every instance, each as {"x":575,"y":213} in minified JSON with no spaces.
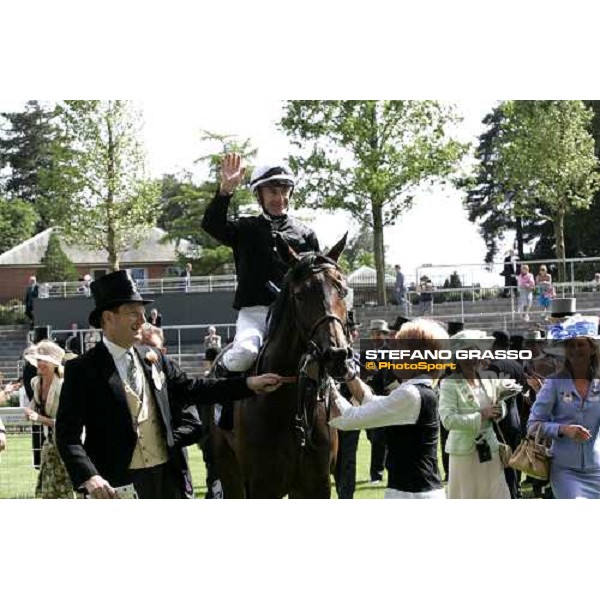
{"x":309,"y":264}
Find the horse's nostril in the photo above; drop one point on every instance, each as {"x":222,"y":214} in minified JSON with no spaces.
{"x":336,"y":355}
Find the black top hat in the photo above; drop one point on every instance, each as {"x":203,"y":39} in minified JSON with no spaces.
{"x":111,"y":291}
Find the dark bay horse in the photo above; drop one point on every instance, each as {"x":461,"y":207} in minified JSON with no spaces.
{"x":282,"y":444}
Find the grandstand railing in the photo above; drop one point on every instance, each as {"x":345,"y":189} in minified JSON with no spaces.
{"x":208,"y":283}
{"x":174,"y":337}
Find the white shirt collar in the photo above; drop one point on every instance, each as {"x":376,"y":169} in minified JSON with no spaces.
{"x":116,"y":351}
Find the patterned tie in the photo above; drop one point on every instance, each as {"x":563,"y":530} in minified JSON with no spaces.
{"x":133,"y":378}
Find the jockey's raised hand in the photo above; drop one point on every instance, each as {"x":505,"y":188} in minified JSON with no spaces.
{"x":232,"y":173}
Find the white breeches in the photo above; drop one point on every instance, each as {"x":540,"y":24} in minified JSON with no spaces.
{"x":250,"y":330}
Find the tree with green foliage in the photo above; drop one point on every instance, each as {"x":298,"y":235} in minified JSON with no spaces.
{"x":102,"y":183}
{"x":56,"y":265}
{"x":369,"y":158}
{"x":26,"y":138}
{"x":453,"y":281}
{"x":489,"y":200}
{"x":546,"y":155}
{"x":18,"y":219}
{"x":182,"y":206}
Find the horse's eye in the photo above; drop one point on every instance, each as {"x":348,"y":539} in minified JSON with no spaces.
{"x":343,"y":292}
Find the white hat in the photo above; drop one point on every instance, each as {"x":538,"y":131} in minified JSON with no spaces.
{"x":47,"y":351}
{"x":379,"y":325}
{"x":471,"y":338}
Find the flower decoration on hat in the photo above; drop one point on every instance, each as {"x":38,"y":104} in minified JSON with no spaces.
{"x":574,"y":327}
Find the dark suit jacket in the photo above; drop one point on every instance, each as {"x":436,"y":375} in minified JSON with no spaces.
{"x":510,"y":426}
{"x":93,"y":397}
{"x":30,"y":294}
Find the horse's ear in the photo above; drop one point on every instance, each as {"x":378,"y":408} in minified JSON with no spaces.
{"x":285,"y":250}
{"x":337,"y":250}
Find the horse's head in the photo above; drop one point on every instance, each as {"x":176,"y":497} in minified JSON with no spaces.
{"x":315,"y":288}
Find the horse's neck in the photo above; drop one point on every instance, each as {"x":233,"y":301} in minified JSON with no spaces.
{"x":284,"y":349}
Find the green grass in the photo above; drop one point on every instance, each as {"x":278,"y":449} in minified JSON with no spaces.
{"x":18,"y":477}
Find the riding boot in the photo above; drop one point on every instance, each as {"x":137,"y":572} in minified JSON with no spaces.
{"x":224,"y":410}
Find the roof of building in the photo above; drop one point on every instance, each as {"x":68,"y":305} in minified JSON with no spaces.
{"x":151,"y":250}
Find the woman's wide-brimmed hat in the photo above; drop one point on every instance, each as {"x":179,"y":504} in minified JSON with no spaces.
{"x":379,"y":325}
{"x":111,"y":291}
{"x":577,"y":326}
{"x":46,"y":351}
{"x":471,"y":338}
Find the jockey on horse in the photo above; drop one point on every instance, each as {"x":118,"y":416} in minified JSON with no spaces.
{"x":260,"y":263}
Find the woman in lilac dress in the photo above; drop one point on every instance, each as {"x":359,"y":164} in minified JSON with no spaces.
{"x":567,"y":408}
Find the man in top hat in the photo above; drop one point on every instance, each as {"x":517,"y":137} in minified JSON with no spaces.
{"x":120,"y":393}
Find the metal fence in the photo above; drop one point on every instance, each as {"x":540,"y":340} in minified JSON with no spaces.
{"x":209,"y":283}
{"x":12,"y":314}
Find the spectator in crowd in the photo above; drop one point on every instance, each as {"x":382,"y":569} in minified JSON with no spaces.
{"x":526,"y":285}
{"x":29,"y":372}
{"x":91,"y":338}
{"x":510,"y":426}
{"x":510,"y":273}
{"x":122,"y":393}
{"x":187,"y":427}
{"x":595,"y":283}
{"x":53,"y":480}
{"x":537,"y":369}
{"x":379,"y":332}
{"x":84,"y":288}
{"x":567,"y":409}
{"x":187,"y":276}
{"x":155,"y":318}
{"x":32,"y":292}
{"x":212,"y":340}
{"x":469,"y":403}
{"x":345,"y":464}
{"x":409,"y":416}
{"x":544,"y":288}
{"x":73,"y":342}
{"x":2,"y":436}
{"x":426,"y":290}
{"x":399,"y":290}
{"x":261,"y":259}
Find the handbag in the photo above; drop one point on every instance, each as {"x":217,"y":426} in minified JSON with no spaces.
{"x":531,"y":457}
{"x":503,"y":448}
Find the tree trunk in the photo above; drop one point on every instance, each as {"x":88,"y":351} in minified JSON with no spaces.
{"x":520,"y":251}
{"x":111,"y":242}
{"x":379,"y":252}
{"x":559,"y":234}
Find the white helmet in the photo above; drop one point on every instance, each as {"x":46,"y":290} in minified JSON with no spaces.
{"x":274,"y":174}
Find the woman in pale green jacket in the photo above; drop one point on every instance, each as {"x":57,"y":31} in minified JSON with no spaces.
{"x":469,"y":403}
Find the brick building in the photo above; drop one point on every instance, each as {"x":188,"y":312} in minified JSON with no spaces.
{"x":152,"y":259}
